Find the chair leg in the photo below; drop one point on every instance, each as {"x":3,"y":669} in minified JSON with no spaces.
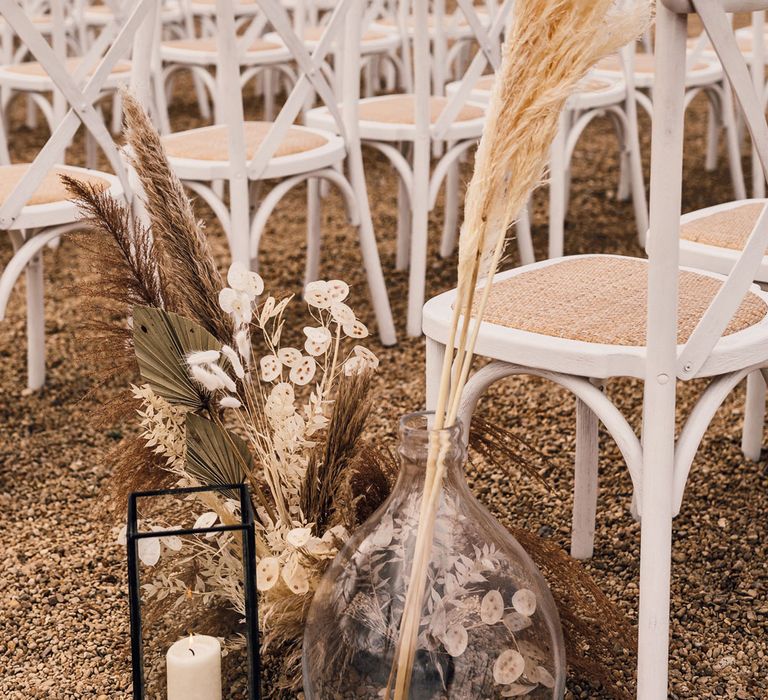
{"x":35,"y":324}
{"x":557,"y":193}
{"x":403,"y":255}
{"x":754,"y":417}
{"x":314,"y":240}
{"x":370,"y":250}
{"x":419,"y":235}
{"x":734,"y":150}
{"x":451,"y":213}
{"x":710,"y":162}
{"x":585,"y":483}
{"x":523,"y":234}
{"x":435,"y":354}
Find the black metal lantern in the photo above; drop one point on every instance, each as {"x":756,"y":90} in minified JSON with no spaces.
{"x":246,"y":527}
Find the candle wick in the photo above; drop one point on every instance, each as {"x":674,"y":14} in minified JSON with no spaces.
{"x":191,"y":651}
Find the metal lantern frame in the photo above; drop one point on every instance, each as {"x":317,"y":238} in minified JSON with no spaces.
{"x":246,"y":527}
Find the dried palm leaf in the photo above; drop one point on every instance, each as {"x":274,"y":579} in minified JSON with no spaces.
{"x":162,"y":340}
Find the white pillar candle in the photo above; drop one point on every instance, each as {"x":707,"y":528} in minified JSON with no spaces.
{"x":194,"y":669}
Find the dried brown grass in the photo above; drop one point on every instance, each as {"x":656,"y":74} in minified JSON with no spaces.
{"x":186,"y":267}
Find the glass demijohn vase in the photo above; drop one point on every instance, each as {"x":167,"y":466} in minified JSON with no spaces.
{"x":489,"y":626}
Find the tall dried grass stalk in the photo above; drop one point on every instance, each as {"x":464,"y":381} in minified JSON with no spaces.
{"x":550,"y":45}
{"x":119,"y":251}
{"x":187,"y":269}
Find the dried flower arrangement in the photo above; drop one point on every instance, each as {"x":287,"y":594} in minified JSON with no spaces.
{"x":294,"y":431}
{"x":550,"y":45}
{"x":211,"y":411}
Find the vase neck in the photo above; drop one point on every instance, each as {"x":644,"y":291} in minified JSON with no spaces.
{"x":421,"y":445}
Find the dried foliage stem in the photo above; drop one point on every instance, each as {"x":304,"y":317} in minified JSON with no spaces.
{"x":550,"y":46}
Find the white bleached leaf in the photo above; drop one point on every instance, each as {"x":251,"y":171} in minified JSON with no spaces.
{"x":149,"y":551}
{"x":455,"y":640}
{"x":295,"y":577}
{"x":299,"y":536}
{"x":267,"y":573}
{"x":173,"y":543}
{"x":205,"y":520}
{"x":544,"y":677}
{"x":270,"y":368}
{"x":241,"y":279}
{"x":515,"y":622}
{"x":341,"y":313}
{"x":338,"y":290}
{"x":318,"y":294}
{"x":290,"y":357}
{"x":230,"y":402}
{"x":303,"y":372}
{"x":524,"y":601}
{"x":122,"y":536}
{"x":492,"y":608}
{"x":356,"y":329}
{"x":509,"y":667}
{"x":318,"y":340}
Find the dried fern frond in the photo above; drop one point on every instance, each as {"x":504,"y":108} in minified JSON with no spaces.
{"x":187,"y":269}
{"x":324,"y":479}
{"x":501,"y":447}
{"x":121,"y":258}
{"x":369,"y":480}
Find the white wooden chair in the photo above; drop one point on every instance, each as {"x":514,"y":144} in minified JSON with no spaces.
{"x":596,"y":96}
{"x":579,"y":321}
{"x":704,"y":75}
{"x":406,"y":128}
{"x":33,"y":203}
{"x":246,"y":153}
{"x":32,"y":80}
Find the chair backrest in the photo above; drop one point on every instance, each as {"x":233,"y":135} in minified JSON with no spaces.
{"x":132,"y":26}
{"x":488,"y":40}
{"x":666,"y":187}
{"x":340,"y":36}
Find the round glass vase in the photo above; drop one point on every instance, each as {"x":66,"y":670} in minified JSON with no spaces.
{"x":489,"y":626}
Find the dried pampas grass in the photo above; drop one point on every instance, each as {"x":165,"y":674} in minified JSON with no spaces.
{"x":187,"y":269}
{"x":549,"y":47}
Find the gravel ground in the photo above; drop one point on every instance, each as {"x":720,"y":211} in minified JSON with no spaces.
{"x":63,"y":604}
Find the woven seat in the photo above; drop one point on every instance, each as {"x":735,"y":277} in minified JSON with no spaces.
{"x":399,"y":109}
{"x":729,"y":228}
{"x":36,"y":69}
{"x":50,"y":190}
{"x":603,"y":299}
{"x":211,"y":142}
{"x":208,"y":45}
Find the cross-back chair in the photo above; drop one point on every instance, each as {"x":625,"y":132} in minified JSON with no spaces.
{"x":408,"y":127}
{"x":246,"y":153}
{"x":581,"y":321}
{"x":31,"y":79}
{"x":34,"y":209}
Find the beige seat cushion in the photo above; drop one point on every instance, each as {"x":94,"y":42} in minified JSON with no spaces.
{"x":50,"y":190}
{"x":211,"y":142}
{"x":724,"y":229}
{"x":644,"y":63}
{"x":208,"y":44}
{"x":35,"y":68}
{"x":602,"y":299}
{"x":399,"y":109}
